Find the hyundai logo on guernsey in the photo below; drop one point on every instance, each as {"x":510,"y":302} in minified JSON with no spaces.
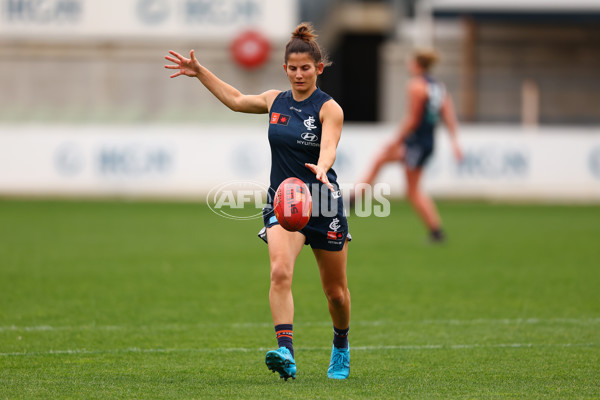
{"x":309,"y":139}
{"x":309,"y":136}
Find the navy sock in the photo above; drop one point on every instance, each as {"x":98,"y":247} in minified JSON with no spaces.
{"x":285,"y":333}
{"x":340,"y":337}
{"x":437,"y":235}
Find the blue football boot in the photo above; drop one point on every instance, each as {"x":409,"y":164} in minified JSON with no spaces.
{"x":339,"y":367}
{"x":281,"y":360}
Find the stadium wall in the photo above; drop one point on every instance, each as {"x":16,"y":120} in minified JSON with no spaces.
{"x":90,"y":61}
{"x":501,"y":162}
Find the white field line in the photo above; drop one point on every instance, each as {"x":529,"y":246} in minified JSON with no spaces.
{"x":137,"y":350}
{"x":452,"y":322}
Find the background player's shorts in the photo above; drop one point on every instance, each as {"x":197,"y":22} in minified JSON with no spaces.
{"x":417,"y":155}
{"x":326,"y":233}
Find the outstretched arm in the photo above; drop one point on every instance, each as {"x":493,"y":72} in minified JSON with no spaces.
{"x":227,"y":94}
{"x":332,"y":120}
{"x":449,"y":117}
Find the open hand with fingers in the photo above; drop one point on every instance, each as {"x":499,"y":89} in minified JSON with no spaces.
{"x":321,"y":174}
{"x":186,"y":66}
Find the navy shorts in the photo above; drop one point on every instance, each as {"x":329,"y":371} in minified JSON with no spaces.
{"x":417,"y":155}
{"x":326,"y":233}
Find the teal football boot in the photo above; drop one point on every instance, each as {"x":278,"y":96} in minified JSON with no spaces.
{"x":281,"y":360}
{"x":339,"y":367}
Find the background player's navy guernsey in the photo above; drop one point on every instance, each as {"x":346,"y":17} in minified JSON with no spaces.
{"x":423,"y":134}
{"x":295,"y":138}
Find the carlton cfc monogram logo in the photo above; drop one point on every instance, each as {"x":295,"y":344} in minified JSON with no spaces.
{"x":333,"y":234}
{"x":335,"y":225}
{"x":310,"y":123}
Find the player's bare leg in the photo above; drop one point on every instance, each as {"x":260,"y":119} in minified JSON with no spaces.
{"x":284,"y":248}
{"x":421,"y":202}
{"x":332,"y":268}
{"x":391,"y":152}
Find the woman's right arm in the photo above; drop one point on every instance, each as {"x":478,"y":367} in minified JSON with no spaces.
{"x":227,"y":94}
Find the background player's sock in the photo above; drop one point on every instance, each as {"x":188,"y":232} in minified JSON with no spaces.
{"x":285,"y":333}
{"x":340,"y":337}
{"x":437,"y":235}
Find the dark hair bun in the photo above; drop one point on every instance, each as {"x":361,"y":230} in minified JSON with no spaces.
{"x":304,"y":41}
{"x":304,"y":32}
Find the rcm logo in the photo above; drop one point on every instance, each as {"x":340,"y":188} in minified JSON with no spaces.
{"x":594,"y":162}
{"x":153,"y":12}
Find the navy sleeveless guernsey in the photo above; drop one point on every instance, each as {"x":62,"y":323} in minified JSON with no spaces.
{"x":419,"y":144}
{"x":295,"y":139}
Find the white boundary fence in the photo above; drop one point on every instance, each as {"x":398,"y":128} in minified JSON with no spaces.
{"x":501,"y":163}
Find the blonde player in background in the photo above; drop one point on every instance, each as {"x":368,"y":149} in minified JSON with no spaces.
{"x":428,"y":101}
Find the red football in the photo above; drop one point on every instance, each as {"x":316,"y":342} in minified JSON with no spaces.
{"x":292,"y":204}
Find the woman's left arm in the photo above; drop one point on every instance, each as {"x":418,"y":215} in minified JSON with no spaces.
{"x":449,"y":117}
{"x":417,"y":97}
{"x":332,"y":120}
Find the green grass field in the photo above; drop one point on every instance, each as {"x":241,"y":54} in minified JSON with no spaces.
{"x":129,"y":300}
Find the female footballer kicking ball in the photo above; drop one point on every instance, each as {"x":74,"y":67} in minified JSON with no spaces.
{"x":413,"y":145}
{"x":305,"y":125}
